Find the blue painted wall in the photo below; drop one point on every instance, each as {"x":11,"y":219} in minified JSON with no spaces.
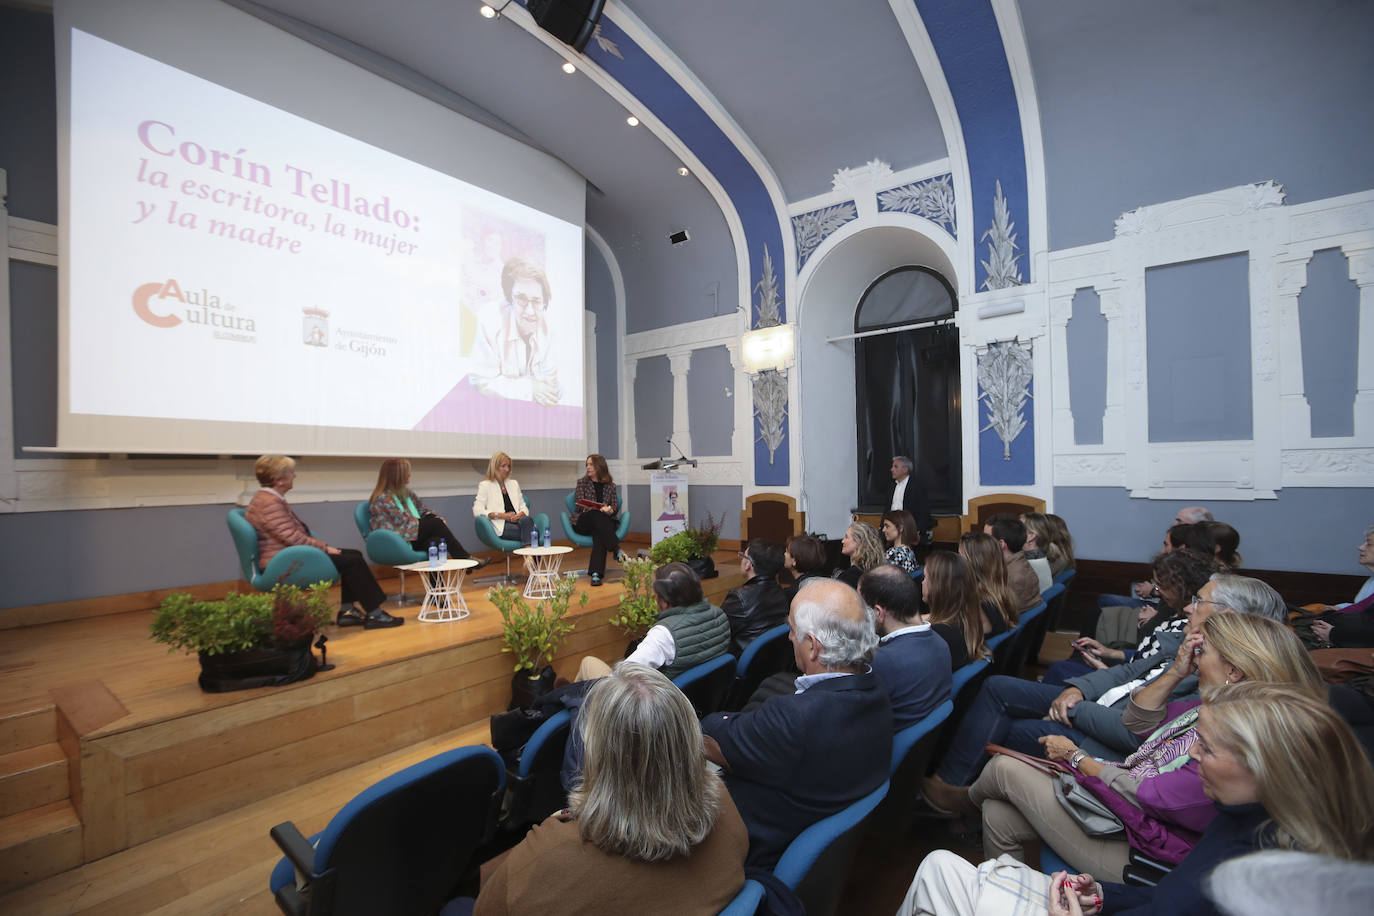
{"x":1309,"y":529}
{"x":1329,"y":325}
{"x":1087,"y":343}
{"x":711,"y":401}
{"x":653,"y":407}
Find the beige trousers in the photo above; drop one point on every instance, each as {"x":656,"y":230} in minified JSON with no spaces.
{"x":947,"y":885}
{"x":592,"y":668}
{"x":1019,"y":805}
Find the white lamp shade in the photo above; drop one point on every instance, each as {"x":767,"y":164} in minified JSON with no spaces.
{"x":768,"y":348}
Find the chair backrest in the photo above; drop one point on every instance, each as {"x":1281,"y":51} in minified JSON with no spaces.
{"x":905,"y":740}
{"x":705,"y":684}
{"x":403,"y":844}
{"x":816,"y":863}
{"x":362,"y":517}
{"x":1065,"y":577}
{"x":245,"y":542}
{"x":746,"y":902}
{"x":912,"y":749}
{"x":1016,"y":651}
{"x":536,"y":785}
{"x":769,"y":653}
{"x":965,"y":686}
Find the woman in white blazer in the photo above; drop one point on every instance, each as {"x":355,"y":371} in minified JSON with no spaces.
{"x":499,"y":499}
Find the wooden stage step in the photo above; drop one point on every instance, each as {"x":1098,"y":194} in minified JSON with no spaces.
{"x":27,"y":722}
{"x":37,"y":843}
{"x":33,"y":777}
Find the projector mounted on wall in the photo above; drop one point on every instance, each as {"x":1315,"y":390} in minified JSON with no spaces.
{"x":570,"y":21}
{"x":680,"y":237}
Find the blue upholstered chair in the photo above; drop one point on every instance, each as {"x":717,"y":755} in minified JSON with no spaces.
{"x":904,"y":743}
{"x":816,"y":863}
{"x":912,"y":749}
{"x":746,"y":902}
{"x":582,"y":540}
{"x":769,"y":653}
{"x":1054,"y":598}
{"x":967,"y":681}
{"x":705,"y":684}
{"x":486,"y":533}
{"x":386,"y":548}
{"x":402,"y":847}
{"x":299,"y":565}
{"x":536,"y":787}
{"x":1014,"y":652}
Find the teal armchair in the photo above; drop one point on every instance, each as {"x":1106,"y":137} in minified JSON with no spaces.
{"x":486,"y":533}
{"x":300,"y":565}
{"x":387,"y":548}
{"x":582,"y":540}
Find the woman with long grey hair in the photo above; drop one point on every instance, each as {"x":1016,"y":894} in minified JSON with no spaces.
{"x":648,"y":823}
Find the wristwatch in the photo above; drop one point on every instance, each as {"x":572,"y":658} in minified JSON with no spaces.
{"x":1077,"y":758}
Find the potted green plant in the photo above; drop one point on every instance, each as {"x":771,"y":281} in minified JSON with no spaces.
{"x":692,"y":546}
{"x":534,"y":635}
{"x":256,"y":639}
{"x":638,"y":607}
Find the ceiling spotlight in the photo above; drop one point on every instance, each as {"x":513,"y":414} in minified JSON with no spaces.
{"x":487,"y":12}
{"x":568,"y":67}
{"x":632,"y":121}
{"x":682,"y":170}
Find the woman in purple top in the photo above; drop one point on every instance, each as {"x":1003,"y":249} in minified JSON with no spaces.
{"x":1156,"y":791}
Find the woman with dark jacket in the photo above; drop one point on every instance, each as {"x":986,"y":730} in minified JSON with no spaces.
{"x":760,"y":603}
{"x":805,"y":559}
{"x":596,"y":513}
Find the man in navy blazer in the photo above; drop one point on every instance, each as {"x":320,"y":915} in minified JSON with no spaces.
{"x":912,"y":662}
{"x":801,"y":757}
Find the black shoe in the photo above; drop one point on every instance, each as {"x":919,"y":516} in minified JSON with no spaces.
{"x":380,"y":620}
{"x":596,"y":581}
{"x":481,"y":562}
{"x":352,"y":617}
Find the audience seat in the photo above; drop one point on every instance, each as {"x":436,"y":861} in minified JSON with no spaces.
{"x":1053,"y":597}
{"x":402,"y":847}
{"x":536,"y":787}
{"x":299,"y":565}
{"x":386,"y":548}
{"x":1018,"y":647}
{"x":1140,"y":869}
{"x":583,"y":540}
{"x":966,"y":684}
{"x":912,"y":749}
{"x":486,"y":533}
{"x":817,"y":862}
{"x":705,"y":684}
{"x":769,"y":653}
{"x":746,"y":902}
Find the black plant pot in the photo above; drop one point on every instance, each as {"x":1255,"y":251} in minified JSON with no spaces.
{"x":258,"y":667}
{"x":524,"y":690}
{"x":704,"y":567}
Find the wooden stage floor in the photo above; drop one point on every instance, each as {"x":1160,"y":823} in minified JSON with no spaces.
{"x":152,"y":758}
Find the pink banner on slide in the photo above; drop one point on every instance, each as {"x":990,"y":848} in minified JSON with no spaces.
{"x":466,"y":410}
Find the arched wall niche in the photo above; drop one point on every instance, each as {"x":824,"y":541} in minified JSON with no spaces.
{"x":830,"y":287}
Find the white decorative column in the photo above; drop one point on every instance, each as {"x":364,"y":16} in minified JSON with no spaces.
{"x":629,"y":438}
{"x":1061,"y":310}
{"x":741,"y":437}
{"x":680,"y":364}
{"x":1361,"y":260}
{"x":589,"y":381}
{"x":1295,"y":411}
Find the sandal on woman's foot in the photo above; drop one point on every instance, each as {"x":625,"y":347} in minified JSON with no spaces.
{"x":596,"y":580}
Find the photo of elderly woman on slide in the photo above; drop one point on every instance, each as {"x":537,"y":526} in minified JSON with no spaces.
{"x":513,"y":375}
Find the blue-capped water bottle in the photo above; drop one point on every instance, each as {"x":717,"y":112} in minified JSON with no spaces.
{"x":534,"y":538}
{"x":443,"y":551}
{"x":433,"y":555}
{"x":548,"y":541}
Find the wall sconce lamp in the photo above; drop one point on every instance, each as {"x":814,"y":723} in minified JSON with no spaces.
{"x":768,"y":348}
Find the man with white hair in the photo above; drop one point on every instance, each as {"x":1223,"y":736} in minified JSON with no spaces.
{"x":801,"y":757}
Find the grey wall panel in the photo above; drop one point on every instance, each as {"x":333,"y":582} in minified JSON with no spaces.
{"x":28,"y":109}
{"x":33,"y":354}
{"x":653,"y":406}
{"x":1087,"y":343}
{"x":1329,"y":325}
{"x":1198,"y":341}
{"x":1306,"y":529}
{"x":711,"y":401}
{"x":601,"y":302}
{"x":1148,"y":102}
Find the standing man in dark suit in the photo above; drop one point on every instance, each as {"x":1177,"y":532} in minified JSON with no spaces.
{"x":907,"y":495}
{"x":801,"y":757}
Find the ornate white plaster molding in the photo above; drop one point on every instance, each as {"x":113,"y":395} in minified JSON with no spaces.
{"x":1356,"y":463}
{"x":1088,"y":470}
{"x":1236,"y":201}
{"x":694,"y":335}
{"x":861,"y":178}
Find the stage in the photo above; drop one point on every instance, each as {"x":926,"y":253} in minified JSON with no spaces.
{"x":145,"y":753}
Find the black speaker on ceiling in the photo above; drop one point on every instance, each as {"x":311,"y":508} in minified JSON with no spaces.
{"x":570,"y":21}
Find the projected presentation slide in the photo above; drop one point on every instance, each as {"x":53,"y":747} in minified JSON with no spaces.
{"x":230,"y":262}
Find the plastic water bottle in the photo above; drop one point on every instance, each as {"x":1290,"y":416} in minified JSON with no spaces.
{"x":548,"y":541}
{"x":534,"y":538}
{"x":433,"y":556}
{"x":443,"y":551}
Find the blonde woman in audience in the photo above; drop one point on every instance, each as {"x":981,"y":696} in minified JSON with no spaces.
{"x":647,"y":829}
{"x":1062,"y":557}
{"x":984,"y":558}
{"x":864,"y":547}
{"x":952,"y":609}
{"x":1285,"y":772}
{"x":1156,"y":792}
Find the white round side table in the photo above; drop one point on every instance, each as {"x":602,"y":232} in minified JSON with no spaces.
{"x":544,"y":576}
{"x":443,"y":589}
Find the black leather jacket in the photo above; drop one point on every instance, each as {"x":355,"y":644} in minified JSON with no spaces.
{"x":755,"y":606}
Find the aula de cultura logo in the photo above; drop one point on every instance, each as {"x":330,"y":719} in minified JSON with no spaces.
{"x":164,"y":304}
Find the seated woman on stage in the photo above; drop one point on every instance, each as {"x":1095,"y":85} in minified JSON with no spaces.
{"x":596,"y":513}
{"x":279,"y":527}
{"x":1156,"y":792}
{"x":394,"y":506}
{"x":1285,"y":772}
{"x":499,"y":499}
{"x":648,"y":827}
{"x":901,"y":537}
{"x":984,"y":558}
